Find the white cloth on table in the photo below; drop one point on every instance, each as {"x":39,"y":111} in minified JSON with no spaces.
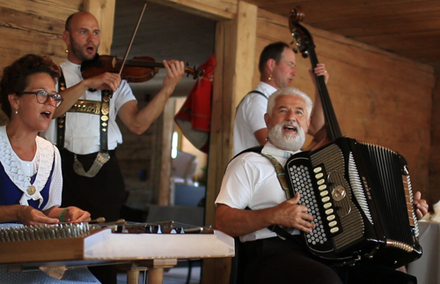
{"x":426,"y":269}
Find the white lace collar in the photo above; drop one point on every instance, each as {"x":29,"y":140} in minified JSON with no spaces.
{"x":11,"y":163}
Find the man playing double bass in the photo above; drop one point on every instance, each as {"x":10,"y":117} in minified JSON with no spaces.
{"x":277,"y":66}
{"x":87,"y":141}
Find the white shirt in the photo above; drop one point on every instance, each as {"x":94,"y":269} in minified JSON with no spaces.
{"x":82,"y":135}
{"x":250,"y":117}
{"x":250,"y":181}
{"x":20,"y":171}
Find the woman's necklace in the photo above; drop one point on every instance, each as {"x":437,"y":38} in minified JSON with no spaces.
{"x":31,"y":189}
{"x":29,"y":171}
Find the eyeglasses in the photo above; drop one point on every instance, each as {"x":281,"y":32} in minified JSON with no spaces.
{"x":43,"y":96}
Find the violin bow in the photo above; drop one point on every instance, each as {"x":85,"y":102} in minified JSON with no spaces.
{"x":132,"y":38}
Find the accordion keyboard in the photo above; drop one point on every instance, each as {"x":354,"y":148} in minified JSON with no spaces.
{"x":326,"y":221}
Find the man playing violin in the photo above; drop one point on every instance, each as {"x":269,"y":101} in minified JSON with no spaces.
{"x":87,"y":135}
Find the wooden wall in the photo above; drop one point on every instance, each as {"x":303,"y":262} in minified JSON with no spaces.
{"x":373,"y":92}
{"x":37,"y":27}
{"x":378,"y":97}
{"x":434,"y":158}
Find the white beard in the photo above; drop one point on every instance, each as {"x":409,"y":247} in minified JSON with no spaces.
{"x":287,"y":141}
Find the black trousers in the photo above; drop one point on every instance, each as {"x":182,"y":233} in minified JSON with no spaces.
{"x":280,"y":261}
{"x":102,"y":195}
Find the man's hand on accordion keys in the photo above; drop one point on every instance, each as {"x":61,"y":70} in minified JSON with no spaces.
{"x":291,"y":215}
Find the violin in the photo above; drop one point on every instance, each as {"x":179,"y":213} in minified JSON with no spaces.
{"x":136,"y":70}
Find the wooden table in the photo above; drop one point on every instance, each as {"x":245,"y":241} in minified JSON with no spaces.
{"x":137,"y":251}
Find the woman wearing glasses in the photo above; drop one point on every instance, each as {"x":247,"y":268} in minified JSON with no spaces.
{"x":30,"y":167}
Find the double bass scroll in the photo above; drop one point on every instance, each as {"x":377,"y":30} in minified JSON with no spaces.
{"x":305,"y":45}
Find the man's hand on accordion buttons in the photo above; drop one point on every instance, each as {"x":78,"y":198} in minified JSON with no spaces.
{"x":292,"y":215}
{"x":420,"y":205}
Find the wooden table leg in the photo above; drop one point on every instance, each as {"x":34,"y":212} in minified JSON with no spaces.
{"x":155,"y":269}
{"x":133,"y":276}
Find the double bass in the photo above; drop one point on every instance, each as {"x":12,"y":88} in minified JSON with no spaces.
{"x":359,"y":193}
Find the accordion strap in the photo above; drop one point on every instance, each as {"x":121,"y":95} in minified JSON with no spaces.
{"x":281,"y":175}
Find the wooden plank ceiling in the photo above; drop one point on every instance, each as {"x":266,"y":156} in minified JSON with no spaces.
{"x":410,"y":28}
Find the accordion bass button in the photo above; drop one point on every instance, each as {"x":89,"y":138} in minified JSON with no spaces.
{"x":329,"y":211}
{"x":317,"y":170}
{"x":331,"y":217}
{"x":318,"y":176}
{"x":334,"y":230}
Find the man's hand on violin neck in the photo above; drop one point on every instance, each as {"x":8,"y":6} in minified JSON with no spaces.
{"x":104,"y":81}
{"x":175,"y":71}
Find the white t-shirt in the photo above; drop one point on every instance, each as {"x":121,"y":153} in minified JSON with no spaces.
{"x":250,"y":117}
{"x":250,"y":181}
{"x":82,"y":135}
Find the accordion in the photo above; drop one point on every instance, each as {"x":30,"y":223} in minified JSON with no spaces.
{"x":360,"y":195}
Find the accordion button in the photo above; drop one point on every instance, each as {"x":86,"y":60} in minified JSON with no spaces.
{"x":329,"y":211}
{"x":326,"y":199}
{"x":320,"y":175}
{"x":321,"y":181}
{"x":331,"y":217}
{"x":332,"y":223}
{"x":317,"y":170}
{"x":324,"y":193}
{"x":322,"y":187}
{"x":327,"y":205}
{"x":334,"y":230}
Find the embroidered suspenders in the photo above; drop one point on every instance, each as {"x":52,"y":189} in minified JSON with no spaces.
{"x":102,"y":109}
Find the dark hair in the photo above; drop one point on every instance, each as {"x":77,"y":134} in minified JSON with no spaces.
{"x":272,"y":51}
{"x":14,"y":79}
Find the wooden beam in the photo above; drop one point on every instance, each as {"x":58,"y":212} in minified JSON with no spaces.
{"x":165,"y":161}
{"x":245,"y":52}
{"x":104,"y":11}
{"x":212,"y":9}
{"x":235,"y":45}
